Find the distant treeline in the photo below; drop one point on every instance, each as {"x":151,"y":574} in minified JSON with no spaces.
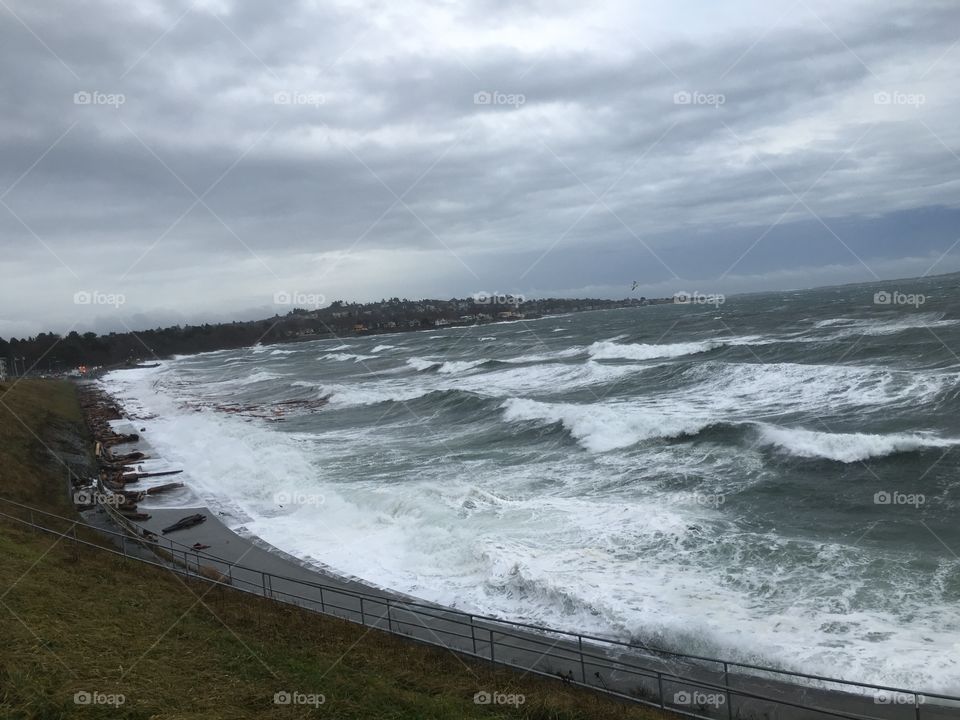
{"x":52,"y":353}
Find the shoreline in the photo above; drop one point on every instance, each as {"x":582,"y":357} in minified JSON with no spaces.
{"x":91,"y":612}
{"x":234,"y":557}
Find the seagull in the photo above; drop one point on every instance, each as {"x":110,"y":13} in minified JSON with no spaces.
{"x":635,"y":283}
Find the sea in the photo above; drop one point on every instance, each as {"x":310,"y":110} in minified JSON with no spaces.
{"x":772,"y":479}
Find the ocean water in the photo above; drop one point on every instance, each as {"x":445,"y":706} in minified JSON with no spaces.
{"x":772,"y":480}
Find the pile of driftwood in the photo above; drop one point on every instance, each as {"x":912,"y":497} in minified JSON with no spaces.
{"x":118,"y":471}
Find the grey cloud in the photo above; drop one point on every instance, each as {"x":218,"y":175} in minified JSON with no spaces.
{"x":498,"y":186}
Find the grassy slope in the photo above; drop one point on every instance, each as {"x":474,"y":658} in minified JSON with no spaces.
{"x":81,"y":620}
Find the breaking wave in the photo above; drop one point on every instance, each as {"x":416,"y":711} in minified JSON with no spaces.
{"x":848,"y":447}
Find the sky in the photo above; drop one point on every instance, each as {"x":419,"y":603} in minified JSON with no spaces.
{"x":174,"y":162}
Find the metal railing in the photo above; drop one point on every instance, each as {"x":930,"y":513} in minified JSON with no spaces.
{"x":689,"y":685}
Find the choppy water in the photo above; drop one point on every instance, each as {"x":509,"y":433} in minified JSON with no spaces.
{"x":696,"y":477}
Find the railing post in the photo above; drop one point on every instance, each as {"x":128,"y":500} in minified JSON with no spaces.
{"x":491,"y":647}
{"x":363,"y":619}
{"x":583,"y":667}
{"x":323,"y":607}
{"x":473,"y":635}
{"x":726,"y":684}
{"x":263,"y":581}
{"x":916,"y":705}
{"x":660,"y":689}
{"x":389,"y":619}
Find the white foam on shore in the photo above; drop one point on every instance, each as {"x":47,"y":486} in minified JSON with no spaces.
{"x":226,"y":459}
{"x":570,"y":560}
{"x":535,"y":541}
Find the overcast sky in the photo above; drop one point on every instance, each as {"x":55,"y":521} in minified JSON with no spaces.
{"x":192,"y":160}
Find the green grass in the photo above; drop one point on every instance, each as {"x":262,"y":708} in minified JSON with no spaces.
{"x":78,"y":619}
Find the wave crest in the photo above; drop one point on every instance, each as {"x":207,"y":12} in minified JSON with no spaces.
{"x":848,"y":447}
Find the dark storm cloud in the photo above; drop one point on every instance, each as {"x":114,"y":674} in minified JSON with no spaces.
{"x":380,"y":175}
